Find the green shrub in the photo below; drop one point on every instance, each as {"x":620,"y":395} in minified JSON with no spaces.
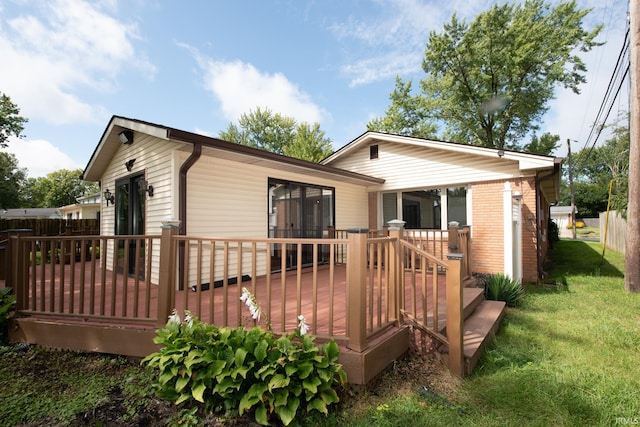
{"x":7,"y":303}
{"x":234,"y":370}
{"x":579,"y":224}
{"x":554,"y":232}
{"x":499,"y":287}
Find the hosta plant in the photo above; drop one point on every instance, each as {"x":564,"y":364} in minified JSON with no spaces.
{"x":237,"y":370}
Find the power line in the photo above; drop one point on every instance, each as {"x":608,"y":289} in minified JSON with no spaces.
{"x":607,"y":100}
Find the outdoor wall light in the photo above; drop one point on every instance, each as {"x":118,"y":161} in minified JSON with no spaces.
{"x":126,"y":136}
{"x":144,"y":186}
{"x":129,"y":164}
{"x":109,"y":197}
{"x":501,"y":153}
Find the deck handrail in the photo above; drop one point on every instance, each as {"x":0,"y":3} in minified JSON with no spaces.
{"x":373,"y":292}
{"x":45,"y":282}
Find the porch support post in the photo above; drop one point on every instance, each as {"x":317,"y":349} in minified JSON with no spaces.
{"x":356,"y":289}
{"x":167,"y":272}
{"x":508,"y":228}
{"x":455,"y":314}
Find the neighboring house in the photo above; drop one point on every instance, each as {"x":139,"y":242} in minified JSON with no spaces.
{"x":149,"y":173}
{"x":561,"y":215}
{"x":504,"y":196}
{"x":87,"y":207}
{"x":31,"y":213}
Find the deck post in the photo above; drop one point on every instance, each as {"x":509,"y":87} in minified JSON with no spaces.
{"x":455,"y":314}
{"x":17,"y":265}
{"x":396,"y":273}
{"x":167,"y":275}
{"x":357,"y":289}
{"x":453,"y":238}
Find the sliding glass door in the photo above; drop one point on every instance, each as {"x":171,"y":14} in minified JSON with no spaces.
{"x":300,"y":211}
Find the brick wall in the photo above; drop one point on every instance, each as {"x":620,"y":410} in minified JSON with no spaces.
{"x":488,"y":227}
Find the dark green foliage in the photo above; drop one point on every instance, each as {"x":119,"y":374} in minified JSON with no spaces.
{"x":7,"y":303}
{"x":499,"y":287}
{"x":11,"y":123}
{"x":233,"y":370}
{"x":554,"y":233}
{"x":489,"y":82}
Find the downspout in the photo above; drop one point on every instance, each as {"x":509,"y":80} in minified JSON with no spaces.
{"x":182,"y":186}
{"x":182,"y":207}
{"x":539,"y":260}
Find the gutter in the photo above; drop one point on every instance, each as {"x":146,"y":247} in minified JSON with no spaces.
{"x":556,"y":170}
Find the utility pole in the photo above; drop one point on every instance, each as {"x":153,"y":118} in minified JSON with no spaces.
{"x":573,"y":199}
{"x":632,"y":241}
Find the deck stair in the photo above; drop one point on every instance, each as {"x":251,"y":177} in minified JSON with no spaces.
{"x":482,"y":320}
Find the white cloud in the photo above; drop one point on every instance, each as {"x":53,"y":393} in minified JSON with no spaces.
{"x":240,"y":87}
{"x":40,"y":157}
{"x":395,"y":39}
{"x":59,"y":47}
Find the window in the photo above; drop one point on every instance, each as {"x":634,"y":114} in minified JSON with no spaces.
{"x":457,"y":205}
{"x":373,"y":152}
{"x":426,"y":208}
{"x":421,"y":209}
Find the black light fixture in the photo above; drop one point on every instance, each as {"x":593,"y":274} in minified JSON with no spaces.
{"x":144,"y":186}
{"x":126,"y":136}
{"x":109,"y":197}
{"x":501,"y":153}
{"x":129,"y":164}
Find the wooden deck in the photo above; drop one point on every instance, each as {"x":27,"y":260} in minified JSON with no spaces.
{"x":361,"y":294}
{"x":107,"y":302}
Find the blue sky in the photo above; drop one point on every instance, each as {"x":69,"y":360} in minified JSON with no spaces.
{"x":198,"y":65}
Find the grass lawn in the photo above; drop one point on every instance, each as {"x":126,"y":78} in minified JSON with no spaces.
{"x":569,"y":356}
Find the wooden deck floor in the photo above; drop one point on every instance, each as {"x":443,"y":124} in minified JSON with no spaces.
{"x":124,"y":301}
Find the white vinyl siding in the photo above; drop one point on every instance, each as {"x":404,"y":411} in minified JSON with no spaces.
{"x":230,"y":199}
{"x":154,"y":157}
{"x":405,"y":166}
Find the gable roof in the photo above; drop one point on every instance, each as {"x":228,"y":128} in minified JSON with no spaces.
{"x":109,"y":144}
{"x":526,"y":161}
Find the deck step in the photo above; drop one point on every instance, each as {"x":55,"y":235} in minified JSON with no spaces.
{"x":471,"y":299}
{"x":480,"y":328}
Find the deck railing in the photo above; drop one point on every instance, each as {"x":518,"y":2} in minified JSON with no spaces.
{"x":46,"y":282}
{"x":216,"y":269}
{"x":135,"y":280}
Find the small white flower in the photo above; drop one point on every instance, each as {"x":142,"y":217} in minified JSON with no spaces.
{"x":304,"y":328}
{"x":246,"y":295}
{"x":174,"y":317}
{"x":188,"y":318}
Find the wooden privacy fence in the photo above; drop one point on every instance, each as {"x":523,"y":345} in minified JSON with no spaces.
{"x":50,"y":227}
{"x":134,"y":282}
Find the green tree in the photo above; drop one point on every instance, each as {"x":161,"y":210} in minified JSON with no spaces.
{"x":12,"y":180}
{"x":59,"y":188}
{"x":545,"y":145}
{"x":11,"y":123}
{"x":279,"y":134}
{"x":262,"y":129}
{"x":407,"y":114}
{"x":489,"y":82}
{"x":596,"y":167}
{"x":309,"y":143}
